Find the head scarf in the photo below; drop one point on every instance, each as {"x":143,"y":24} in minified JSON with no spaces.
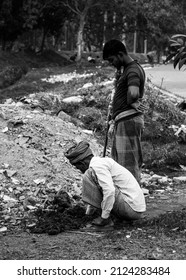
{"x":78,"y":152}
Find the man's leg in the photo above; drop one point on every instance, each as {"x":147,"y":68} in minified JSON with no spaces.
{"x":126,"y":148}
{"x":91,"y":192}
{"x":122,"y":209}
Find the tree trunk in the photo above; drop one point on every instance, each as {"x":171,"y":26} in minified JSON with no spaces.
{"x":80,"y":37}
{"x":43,"y":40}
{"x":82,"y":16}
{"x":104,"y":27}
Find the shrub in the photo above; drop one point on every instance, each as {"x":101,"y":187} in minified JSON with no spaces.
{"x":92,"y":118}
{"x":161,"y":114}
{"x":159,"y":157}
{"x":177,"y":50}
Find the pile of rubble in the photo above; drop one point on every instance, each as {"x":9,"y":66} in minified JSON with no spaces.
{"x":33,"y":168}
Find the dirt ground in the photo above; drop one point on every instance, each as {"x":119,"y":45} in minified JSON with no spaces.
{"x":33,"y":170}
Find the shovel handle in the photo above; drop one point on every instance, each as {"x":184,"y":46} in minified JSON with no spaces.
{"x":106,"y":141}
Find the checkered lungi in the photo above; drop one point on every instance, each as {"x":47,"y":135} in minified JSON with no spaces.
{"x":92,"y":194}
{"x":91,"y":191}
{"x":126,"y":147}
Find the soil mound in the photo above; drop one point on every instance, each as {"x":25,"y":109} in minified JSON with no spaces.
{"x":59,"y":215}
{"x":15,"y":65}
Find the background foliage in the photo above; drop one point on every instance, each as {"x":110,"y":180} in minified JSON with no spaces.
{"x":86,"y":25}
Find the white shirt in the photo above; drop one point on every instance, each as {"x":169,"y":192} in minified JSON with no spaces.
{"x":110,"y":174}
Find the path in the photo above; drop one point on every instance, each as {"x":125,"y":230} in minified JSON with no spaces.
{"x":174,"y":80}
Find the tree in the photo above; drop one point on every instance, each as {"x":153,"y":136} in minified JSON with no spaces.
{"x":52,"y":19}
{"x":34,"y":18}
{"x":182,"y":5}
{"x":11,"y":21}
{"x":93,"y":21}
{"x":80,"y":8}
{"x":104,"y":22}
{"x":161,"y":17}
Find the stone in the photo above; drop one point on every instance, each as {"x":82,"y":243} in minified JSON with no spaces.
{"x":77,"y":190}
{"x":30,"y":207}
{"x":10,"y":173}
{"x":65,"y":117}
{"x":145,"y":191}
{"x":87,"y":85}
{"x":73,"y":99}
{"x":145,"y":178}
{"x":183,"y":167}
{"x":163,"y":179}
{"x":169,"y":188}
{"x":3,"y":229}
{"x":179,"y":179}
{"x":4,"y":129}
{"x":40,"y":181}
{"x":15,"y":181}
{"x":6,"y":165}
{"x":155,"y":177}
{"x":31,"y":225}
{"x":90,"y":132}
{"x":8,"y":198}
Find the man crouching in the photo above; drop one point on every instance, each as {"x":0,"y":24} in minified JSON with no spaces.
{"x":107,"y":186}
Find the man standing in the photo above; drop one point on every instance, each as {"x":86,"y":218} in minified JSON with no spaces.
{"x":107,"y":186}
{"x":127,"y":120}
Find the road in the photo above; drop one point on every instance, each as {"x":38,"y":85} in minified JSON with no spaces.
{"x":174,"y":80}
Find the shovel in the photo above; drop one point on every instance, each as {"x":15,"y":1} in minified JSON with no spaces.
{"x":106,"y":138}
{"x":107,"y":129}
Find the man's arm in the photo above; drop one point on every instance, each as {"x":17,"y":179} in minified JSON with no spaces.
{"x":134,"y":79}
{"x":106,"y":183}
{"x":132,"y":94}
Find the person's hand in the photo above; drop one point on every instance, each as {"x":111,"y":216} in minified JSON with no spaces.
{"x":100,"y":221}
{"x":132,"y":94}
{"x":111,"y":128}
{"x":135,"y":105}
